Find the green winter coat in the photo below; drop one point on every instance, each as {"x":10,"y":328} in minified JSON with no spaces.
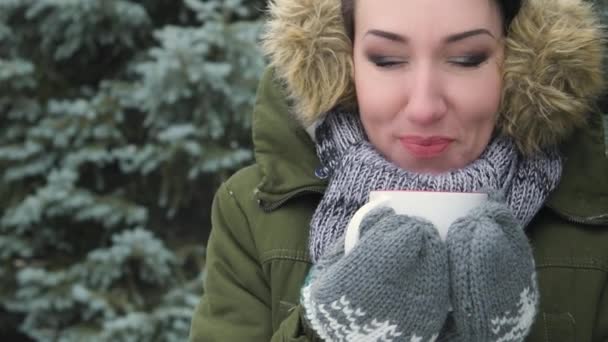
{"x":257,"y":256}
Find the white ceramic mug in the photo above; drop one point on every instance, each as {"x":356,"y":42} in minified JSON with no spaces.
{"x":441,"y":208}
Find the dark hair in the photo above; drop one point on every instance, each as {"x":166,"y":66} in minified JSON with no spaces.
{"x":508,"y":9}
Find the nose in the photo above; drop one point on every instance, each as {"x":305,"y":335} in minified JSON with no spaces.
{"x":426,"y":103}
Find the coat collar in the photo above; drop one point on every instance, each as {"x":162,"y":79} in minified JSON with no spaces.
{"x":283,"y":150}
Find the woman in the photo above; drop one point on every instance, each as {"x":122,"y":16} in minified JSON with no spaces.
{"x":461,"y":95}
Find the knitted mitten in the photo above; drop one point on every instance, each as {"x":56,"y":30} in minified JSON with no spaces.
{"x":392,"y":286}
{"x":492,"y":277}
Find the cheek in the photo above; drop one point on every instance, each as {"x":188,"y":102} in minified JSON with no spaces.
{"x":479,"y":103}
{"x":378,"y":99}
{"x":377,"y":110}
{"x":479,"y":99}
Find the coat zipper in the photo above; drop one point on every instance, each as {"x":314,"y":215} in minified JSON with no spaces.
{"x":271,"y":206}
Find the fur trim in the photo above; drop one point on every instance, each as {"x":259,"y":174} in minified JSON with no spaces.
{"x":552,"y":71}
{"x":310,"y":51}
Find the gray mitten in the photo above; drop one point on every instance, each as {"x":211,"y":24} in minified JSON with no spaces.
{"x":392,"y":286}
{"x":492,"y":277}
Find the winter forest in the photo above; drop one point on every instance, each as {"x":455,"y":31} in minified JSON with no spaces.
{"x":119,"y":120}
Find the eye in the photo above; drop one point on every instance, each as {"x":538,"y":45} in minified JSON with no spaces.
{"x":469,"y":61}
{"x":385,"y":61}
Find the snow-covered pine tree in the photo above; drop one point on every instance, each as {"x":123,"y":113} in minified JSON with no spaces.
{"x":119,"y":118}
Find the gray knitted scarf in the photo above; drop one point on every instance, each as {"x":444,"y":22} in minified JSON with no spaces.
{"x":354,"y":168}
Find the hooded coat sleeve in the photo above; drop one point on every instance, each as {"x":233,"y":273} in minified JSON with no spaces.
{"x":236,"y":304}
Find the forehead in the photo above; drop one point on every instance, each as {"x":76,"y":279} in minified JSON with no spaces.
{"x":421,"y":17}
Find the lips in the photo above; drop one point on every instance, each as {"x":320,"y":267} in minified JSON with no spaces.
{"x":425,"y":147}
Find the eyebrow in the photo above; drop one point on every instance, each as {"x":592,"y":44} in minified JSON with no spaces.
{"x":449,"y":39}
{"x":463,"y":35}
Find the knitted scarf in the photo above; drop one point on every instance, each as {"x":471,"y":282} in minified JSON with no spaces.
{"x":354,"y":168}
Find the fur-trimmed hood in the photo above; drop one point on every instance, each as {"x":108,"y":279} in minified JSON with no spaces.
{"x":552,"y":71}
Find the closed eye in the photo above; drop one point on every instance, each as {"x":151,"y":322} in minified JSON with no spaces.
{"x":469,"y":61}
{"x":386,"y":61}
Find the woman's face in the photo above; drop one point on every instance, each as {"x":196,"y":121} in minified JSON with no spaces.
{"x":428,"y":80}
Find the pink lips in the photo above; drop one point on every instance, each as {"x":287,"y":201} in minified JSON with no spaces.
{"x":425,"y":147}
